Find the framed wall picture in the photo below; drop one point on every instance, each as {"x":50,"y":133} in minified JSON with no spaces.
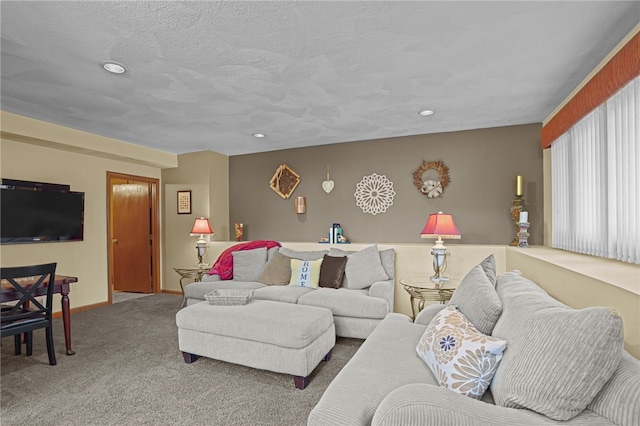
{"x":184,"y":202}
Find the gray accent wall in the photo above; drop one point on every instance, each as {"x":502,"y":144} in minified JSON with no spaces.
{"x":483,"y":165}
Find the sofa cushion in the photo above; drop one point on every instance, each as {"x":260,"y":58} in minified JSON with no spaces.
{"x":489,"y":267}
{"x":347,"y":303}
{"x":277,"y":271}
{"x":385,"y":361}
{"x":305,"y":273}
{"x":477,"y":299}
{"x":247,"y":264}
{"x":388,"y":259}
{"x":461,"y":358}
{"x":303,"y":255}
{"x":332,"y":271}
{"x":363,"y":268}
{"x":287,"y":294}
{"x":558,"y":358}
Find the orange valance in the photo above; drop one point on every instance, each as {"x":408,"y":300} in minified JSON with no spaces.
{"x":623,"y":67}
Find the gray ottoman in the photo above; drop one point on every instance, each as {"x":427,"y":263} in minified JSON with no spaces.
{"x":274,"y":336}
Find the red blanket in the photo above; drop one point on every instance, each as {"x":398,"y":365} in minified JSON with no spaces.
{"x":224,"y":264}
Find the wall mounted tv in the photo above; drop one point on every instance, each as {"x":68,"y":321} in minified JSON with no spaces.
{"x":40,"y":212}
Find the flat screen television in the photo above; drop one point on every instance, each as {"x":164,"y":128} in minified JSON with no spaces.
{"x":40,"y":213}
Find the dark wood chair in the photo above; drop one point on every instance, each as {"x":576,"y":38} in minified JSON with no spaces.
{"x":28,"y":313}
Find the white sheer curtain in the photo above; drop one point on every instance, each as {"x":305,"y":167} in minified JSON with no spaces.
{"x":595,"y":173}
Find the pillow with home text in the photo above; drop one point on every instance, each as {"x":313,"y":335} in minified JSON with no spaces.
{"x":305,"y":273}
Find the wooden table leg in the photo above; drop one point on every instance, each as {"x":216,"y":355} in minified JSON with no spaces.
{"x":66,"y":321}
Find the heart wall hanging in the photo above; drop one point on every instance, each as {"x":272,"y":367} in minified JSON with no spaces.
{"x":328,"y":184}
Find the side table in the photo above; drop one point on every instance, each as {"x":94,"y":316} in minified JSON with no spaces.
{"x":194,"y":274}
{"x":424,"y":290}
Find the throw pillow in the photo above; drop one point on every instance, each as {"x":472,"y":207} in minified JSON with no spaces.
{"x":461,"y":358}
{"x":332,"y":271}
{"x":277,"y":271}
{"x":489,"y":267}
{"x":363,"y":268}
{"x":247,"y":264}
{"x":305,"y":273}
{"x":477,"y":300}
{"x":559,"y":358}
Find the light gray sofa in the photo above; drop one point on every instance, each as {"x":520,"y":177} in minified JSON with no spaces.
{"x":557,"y":361}
{"x":356,"y":311}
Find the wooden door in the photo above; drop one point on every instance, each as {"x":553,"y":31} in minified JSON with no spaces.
{"x":132,"y":233}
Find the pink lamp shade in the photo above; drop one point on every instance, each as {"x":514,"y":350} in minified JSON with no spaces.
{"x":201,"y":226}
{"x":440,"y":226}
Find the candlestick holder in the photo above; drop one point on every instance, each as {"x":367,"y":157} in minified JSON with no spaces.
{"x":516,"y":209}
{"x":523,"y":234}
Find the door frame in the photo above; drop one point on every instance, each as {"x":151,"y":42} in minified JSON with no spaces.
{"x":154,"y":184}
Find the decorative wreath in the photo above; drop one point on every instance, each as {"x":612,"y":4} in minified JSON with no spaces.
{"x":431,"y":188}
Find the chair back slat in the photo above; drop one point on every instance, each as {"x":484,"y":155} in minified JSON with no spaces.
{"x":27,"y":281}
{"x":24,"y":284}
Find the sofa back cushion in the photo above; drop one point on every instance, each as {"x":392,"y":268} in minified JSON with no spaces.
{"x":303,"y":254}
{"x":619,"y":399}
{"x":489,"y":267}
{"x":363,"y":268}
{"x":477,"y":299}
{"x":247,"y":264}
{"x":558,"y":358}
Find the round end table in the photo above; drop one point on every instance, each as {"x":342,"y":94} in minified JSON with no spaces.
{"x":423,"y":289}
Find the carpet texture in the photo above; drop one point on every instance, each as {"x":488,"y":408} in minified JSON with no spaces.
{"x":128,"y":371}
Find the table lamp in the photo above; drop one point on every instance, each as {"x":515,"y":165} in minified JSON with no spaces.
{"x":440,"y":226}
{"x":201,"y":226}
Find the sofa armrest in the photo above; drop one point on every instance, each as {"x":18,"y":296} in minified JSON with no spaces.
{"x":426,"y":315}
{"x":383,"y":290}
{"x":425,"y":404}
{"x":206,"y":278}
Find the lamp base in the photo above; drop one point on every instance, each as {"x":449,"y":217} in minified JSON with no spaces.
{"x":439,"y":281}
{"x":439,"y":252}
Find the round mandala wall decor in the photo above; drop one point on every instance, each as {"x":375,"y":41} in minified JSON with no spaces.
{"x":374,"y":194}
{"x":432,"y":188}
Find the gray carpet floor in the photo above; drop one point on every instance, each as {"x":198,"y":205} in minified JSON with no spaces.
{"x":128,"y":371}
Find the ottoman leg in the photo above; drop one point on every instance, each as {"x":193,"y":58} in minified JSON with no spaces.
{"x":327,"y":357}
{"x":301,"y":382}
{"x":189,"y":358}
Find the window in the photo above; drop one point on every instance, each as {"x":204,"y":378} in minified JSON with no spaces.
{"x":595,"y":169}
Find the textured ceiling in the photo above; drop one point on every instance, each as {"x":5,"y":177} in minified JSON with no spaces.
{"x":207,"y":75}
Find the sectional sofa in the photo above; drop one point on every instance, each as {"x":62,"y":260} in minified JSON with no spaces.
{"x":503,"y":352}
{"x":360,"y":299}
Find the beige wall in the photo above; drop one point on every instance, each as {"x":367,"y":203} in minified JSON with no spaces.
{"x":206,"y":174}
{"x":87,"y":173}
{"x":482,"y":164}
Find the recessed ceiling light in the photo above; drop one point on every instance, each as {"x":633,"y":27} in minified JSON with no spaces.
{"x":259,"y":135}
{"x":113,"y":67}
{"x":426,"y":112}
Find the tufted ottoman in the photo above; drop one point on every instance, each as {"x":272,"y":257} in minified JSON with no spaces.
{"x":274,"y":336}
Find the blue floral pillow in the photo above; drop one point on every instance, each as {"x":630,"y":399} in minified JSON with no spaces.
{"x":461,"y":358}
